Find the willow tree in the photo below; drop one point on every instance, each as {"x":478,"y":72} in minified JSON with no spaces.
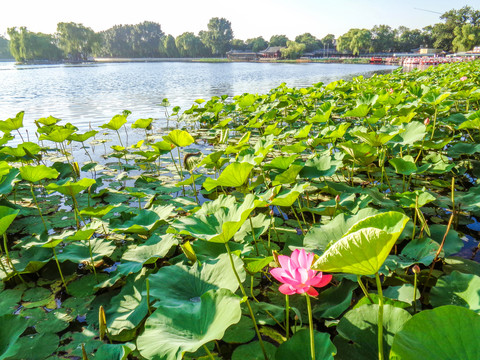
{"x":219,"y":36}
{"x":76,"y":40}
{"x":355,"y":41}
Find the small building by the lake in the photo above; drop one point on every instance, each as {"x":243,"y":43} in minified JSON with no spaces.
{"x":239,"y":55}
{"x":272,"y":52}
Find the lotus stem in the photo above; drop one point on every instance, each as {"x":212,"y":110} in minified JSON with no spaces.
{"x":208,"y":352}
{"x":287,"y":316}
{"x":310,"y":325}
{"x":380,"y":317}
{"x":147,"y":284}
{"x":298,"y":220}
{"x":359,"y":280}
{"x":60,"y":269}
{"x":38,"y":208}
{"x":414,"y":292}
{"x":246,"y":301}
{"x":9,"y":260}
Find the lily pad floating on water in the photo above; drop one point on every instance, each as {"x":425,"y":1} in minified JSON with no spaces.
{"x":172,"y":331}
{"x":446,"y":332}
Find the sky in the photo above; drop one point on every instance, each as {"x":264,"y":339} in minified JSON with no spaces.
{"x":249,"y":18}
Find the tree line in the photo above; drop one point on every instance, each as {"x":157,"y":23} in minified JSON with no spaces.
{"x":458,"y":31}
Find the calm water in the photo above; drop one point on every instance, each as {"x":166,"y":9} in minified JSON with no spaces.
{"x":92,"y":94}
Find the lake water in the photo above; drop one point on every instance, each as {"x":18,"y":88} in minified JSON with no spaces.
{"x":91,"y":94}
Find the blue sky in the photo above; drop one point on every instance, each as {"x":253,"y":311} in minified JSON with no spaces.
{"x":249,"y":18}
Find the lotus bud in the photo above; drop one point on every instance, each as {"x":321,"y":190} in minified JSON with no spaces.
{"x":390,"y":91}
{"x":337,"y":199}
{"x":416,"y":269}
{"x":426,"y":121}
{"x":271,"y":212}
{"x":463,"y":78}
{"x":102,"y":322}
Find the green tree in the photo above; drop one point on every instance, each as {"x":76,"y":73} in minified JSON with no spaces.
{"x":5,"y":49}
{"x":278,"y":40}
{"x":238,"y":44}
{"x":293,"y":50}
{"x":383,"y":38}
{"x":170,"y":46}
{"x":466,"y":37}
{"x":444,"y":33}
{"x":29,"y":46}
{"x":146,"y":39}
{"x":140,"y":40}
{"x":257,"y":44}
{"x":406,"y":39}
{"x":190,"y":45}
{"x":310,"y":41}
{"x":328,"y":41}
{"x":76,"y":40}
{"x":219,"y":36}
{"x":355,"y":41}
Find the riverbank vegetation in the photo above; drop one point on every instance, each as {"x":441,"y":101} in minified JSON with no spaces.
{"x":458,"y":31}
{"x":164,"y":249}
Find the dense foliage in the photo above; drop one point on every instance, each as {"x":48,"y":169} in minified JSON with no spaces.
{"x":162,"y":249}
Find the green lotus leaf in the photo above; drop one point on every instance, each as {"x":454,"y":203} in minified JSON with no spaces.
{"x":415,"y":131}
{"x":234,"y":175}
{"x":178,"y":284}
{"x":373,"y":138}
{"x":319,"y":236}
{"x":333,"y":301}
{"x":97,"y":212}
{"x":13,"y":123}
{"x":323,"y":113}
{"x":47,"y":121}
{"x":142,"y":124}
{"x":364,"y":248}
{"x":358,"y":331}
{"x":289,"y":176}
{"x":9,"y":301}
{"x":26,"y":148}
{"x":163,"y":147}
{"x":125,"y":311}
{"x":58,"y":135}
{"x":69,"y":188}
{"x":453,"y":243}
{"x":319,"y":166}
{"x":179,"y":138}
{"x":7,"y":215}
{"x":253,"y":351}
{"x":82,"y":137}
{"x":217,"y":221}
{"x":303,"y":132}
{"x":404,"y":166}
{"x":78,"y":251}
{"x":286,"y":197}
{"x":114,"y":351}
{"x":281,"y":162}
{"x":116,"y":123}
{"x":421,"y":251}
{"x":360,"y":111}
{"x":240,"y":333}
{"x":12,"y":327}
{"x":146,"y":221}
{"x":172,"y":331}
{"x":409,"y":198}
{"x":151,"y":250}
{"x":446,"y":332}
{"x":37,"y":173}
{"x":295,"y":349}
{"x":36,"y":346}
{"x":7,"y":181}
{"x":457,"y":289}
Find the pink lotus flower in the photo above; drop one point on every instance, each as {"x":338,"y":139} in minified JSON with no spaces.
{"x":463,"y":78}
{"x":297,"y":276}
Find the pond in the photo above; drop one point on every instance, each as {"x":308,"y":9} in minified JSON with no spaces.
{"x":89,"y":95}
